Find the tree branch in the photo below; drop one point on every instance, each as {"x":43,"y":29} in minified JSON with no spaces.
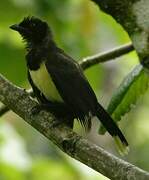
{"x":90,"y":61}
{"x":106,"y":56}
{"x":71,"y":143}
{"x":4,"y":109}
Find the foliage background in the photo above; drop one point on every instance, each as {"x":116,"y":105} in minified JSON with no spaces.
{"x":81,"y":30}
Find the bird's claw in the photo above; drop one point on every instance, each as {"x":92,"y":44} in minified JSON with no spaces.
{"x":55,"y":123}
{"x":36,"y":109}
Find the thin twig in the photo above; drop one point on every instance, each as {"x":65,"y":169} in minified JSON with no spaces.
{"x":93,"y":60}
{"x":71,"y":143}
{"x":106,"y":56}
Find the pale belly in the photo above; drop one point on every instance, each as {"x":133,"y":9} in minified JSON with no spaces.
{"x":43,"y":81}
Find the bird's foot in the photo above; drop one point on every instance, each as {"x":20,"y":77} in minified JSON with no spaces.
{"x":60,"y":121}
{"x":61,"y":118}
{"x":36,"y":109}
{"x":55,"y":123}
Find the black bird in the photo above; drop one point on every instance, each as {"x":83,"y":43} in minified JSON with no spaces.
{"x":58,"y":81}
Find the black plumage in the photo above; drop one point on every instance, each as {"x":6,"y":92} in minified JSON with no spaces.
{"x":72,"y":95}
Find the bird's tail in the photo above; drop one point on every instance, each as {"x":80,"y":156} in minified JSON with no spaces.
{"x":113,"y":130}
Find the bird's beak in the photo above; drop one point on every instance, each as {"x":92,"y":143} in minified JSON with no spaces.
{"x":18,"y":28}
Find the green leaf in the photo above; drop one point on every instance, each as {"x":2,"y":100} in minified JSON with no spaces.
{"x":132,"y":87}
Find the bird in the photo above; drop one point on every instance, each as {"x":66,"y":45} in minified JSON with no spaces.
{"x":59,"y":83}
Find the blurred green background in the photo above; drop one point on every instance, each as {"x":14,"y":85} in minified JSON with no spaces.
{"x":81,"y":29}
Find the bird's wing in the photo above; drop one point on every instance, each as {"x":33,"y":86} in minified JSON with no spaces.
{"x":72,"y":86}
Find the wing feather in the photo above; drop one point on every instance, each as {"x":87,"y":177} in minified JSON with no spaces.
{"x":72,"y":86}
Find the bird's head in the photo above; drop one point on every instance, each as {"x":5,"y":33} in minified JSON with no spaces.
{"x":33,"y":30}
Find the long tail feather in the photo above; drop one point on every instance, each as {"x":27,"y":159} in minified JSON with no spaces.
{"x":113,"y":130}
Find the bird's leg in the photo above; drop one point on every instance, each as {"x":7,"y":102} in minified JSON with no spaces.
{"x":36,"y":109}
{"x":66,"y":121}
{"x":59,"y":110}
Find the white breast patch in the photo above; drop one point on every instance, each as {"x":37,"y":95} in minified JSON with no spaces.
{"x":43,"y":81}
